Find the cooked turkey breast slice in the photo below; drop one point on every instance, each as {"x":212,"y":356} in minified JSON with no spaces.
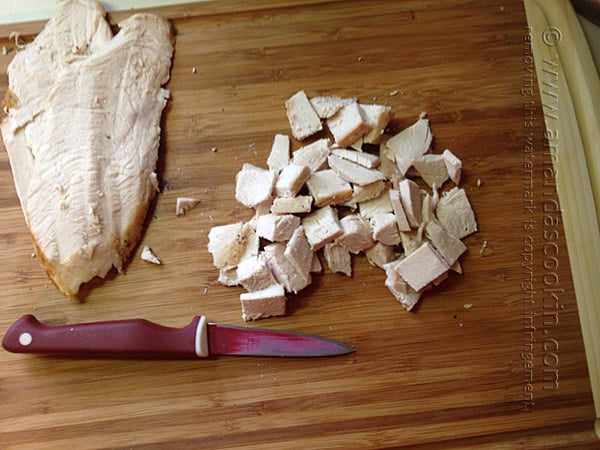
{"x":78,"y":30}
{"x":85,"y":188}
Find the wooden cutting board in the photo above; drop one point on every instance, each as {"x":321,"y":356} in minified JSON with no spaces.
{"x":509,"y":372}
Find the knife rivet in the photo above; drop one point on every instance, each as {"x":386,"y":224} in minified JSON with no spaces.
{"x":25,"y":339}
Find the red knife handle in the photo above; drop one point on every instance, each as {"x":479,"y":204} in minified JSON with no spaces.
{"x":119,"y":338}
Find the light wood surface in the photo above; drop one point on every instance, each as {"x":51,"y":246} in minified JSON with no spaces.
{"x":506,"y":373}
{"x":577,"y":158}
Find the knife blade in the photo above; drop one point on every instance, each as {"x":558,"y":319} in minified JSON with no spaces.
{"x":140,"y":338}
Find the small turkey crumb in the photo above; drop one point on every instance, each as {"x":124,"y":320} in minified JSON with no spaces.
{"x":18,"y":41}
{"x":149,"y":256}
{"x":184,"y":204}
{"x":483,"y":248}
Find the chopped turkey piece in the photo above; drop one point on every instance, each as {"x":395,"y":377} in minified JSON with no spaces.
{"x":348,"y":124}
{"x":268,"y":302}
{"x":380,"y":254}
{"x":429,"y":204}
{"x":82,"y":136}
{"x":406,"y":295}
{"x":277,"y":227}
{"x":455,"y":213}
{"x":322,"y":226}
{"x":263,"y":208}
{"x":456,"y":267}
{"x":353,"y":172}
{"x":401,"y":219}
{"x":149,"y":256}
{"x":448,"y":246}
{"x":394,"y":222}
{"x":388,"y":166}
{"x":284,"y":270}
{"x":315,"y":266}
{"x":380,"y":204}
{"x":184,"y":204}
{"x":432,"y":168}
{"x":299,"y":252}
{"x":412,"y":240}
{"x":279,"y":157}
{"x":328,"y":188}
{"x":314,"y":155}
{"x":410,"y":195}
{"x":228,"y":244}
{"x":421,"y":267}
{"x":394,"y":280}
{"x":292,"y":205}
{"x":385,"y":228}
{"x":254,"y":185}
{"x":228,"y":276}
{"x":409,"y":299}
{"x":368,"y":160}
{"x":327,"y":106}
{"x":357,"y":235}
{"x":453,"y":165}
{"x":303,"y":119}
{"x":365,"y":193}
{"x":378,"y":117}
{"x":338,"y":258}
{"x":439,"y":279}
{"x":291,"y":179}
{"x":254,"y":274}
{"x":399,"y":288}
{"x":409,"y":144}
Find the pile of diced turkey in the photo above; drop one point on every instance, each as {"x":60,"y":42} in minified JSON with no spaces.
{"x":356,"y":192}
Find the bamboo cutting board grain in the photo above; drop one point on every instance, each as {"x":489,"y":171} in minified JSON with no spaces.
{"x":509,"y":372}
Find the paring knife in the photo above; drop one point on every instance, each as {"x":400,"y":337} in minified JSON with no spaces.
{"x":139,"y":338}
